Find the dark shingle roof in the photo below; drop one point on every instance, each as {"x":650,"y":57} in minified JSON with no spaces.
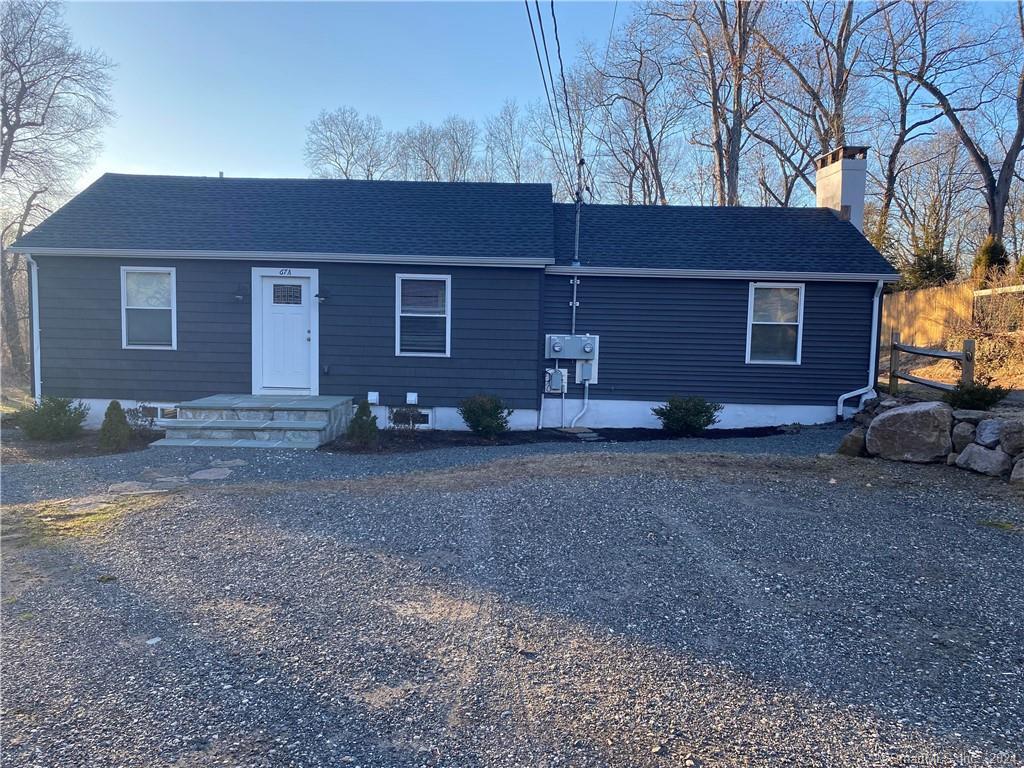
{"x":497,"y":221}
{"x":474,"y":220}
{"x":705,"y":238}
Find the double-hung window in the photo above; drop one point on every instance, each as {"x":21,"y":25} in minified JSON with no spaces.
{"x":775,"y":313}
{"x":148,"y":315}
{"x":423,"y":315}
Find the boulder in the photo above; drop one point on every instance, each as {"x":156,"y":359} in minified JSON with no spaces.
{"x":971,"y":416}
{"x":951,"y":459}
{"x":919,"y":432}
{"x":1017,"y":475}
{"x":1011,"y":439}
{"x":853,"y":444}
{"x":963,"y":435}
{"x":987,"y":461}
{"x":989,"y":431}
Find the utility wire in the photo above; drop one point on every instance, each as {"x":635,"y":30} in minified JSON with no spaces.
{"x":559,"y":128}
{"x":561,"y":70}
{"x":555,"y":123}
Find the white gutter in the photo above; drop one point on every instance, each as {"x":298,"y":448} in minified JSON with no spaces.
{"x":872,"y":374}
{"x":37,"y":379}
{"x":356,"y":258}
{"x":727,"y":274}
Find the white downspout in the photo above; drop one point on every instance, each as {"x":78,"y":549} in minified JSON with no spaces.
{"x":872,"y":374}
{"x":37,"y":379}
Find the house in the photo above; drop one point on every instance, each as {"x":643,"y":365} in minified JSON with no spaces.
{"x":164,"y":290}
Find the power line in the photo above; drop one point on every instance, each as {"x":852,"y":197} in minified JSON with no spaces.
{"x":611,"y":31}
{"x":555,"y":121}
{"x":561,"y":70}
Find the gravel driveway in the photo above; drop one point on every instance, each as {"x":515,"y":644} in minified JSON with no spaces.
{"x":549,"y":608}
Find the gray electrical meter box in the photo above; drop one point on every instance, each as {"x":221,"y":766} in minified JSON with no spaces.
{"x":566,"y":347}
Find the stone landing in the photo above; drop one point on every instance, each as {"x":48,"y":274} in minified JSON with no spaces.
{"x":258,"y":421}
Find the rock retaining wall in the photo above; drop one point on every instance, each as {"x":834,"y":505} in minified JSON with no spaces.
{"x":929,"y":432}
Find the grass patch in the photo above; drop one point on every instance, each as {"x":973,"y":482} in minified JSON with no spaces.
{"x":69,"y":518}
{"x":1001,"y":525}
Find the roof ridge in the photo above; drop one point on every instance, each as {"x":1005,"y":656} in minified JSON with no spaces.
{"x":313,"y":179}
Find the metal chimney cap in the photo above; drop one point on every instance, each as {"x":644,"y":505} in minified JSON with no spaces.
{"x":845,"y":152}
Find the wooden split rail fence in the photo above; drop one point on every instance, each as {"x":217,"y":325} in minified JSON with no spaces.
{"x":965,"y":357}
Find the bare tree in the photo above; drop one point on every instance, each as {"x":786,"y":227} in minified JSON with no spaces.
{"x":972,"y":76}
{"x":346,"y":145}
{"x":635,"y":74}
{"x":901,"y":45}
{"x":716,"y":58}
{"x":932,"y":197}
{"x":54,"y":100}
{"x":817,"y":54}
{"x":507,"y":144}
{"x":445,"y":152}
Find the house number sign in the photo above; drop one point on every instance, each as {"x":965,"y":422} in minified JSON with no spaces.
{"x":285,"y":271}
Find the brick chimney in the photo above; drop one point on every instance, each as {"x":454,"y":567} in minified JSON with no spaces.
{"x":841,"y":178}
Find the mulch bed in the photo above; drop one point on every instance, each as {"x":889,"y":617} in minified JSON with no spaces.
{"x":406,"y":441}
{"x":15,"y":448}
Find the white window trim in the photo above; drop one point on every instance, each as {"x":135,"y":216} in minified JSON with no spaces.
{"x":799,"y":323}
{"x":447,"y":315}
{"x":172,"y":271}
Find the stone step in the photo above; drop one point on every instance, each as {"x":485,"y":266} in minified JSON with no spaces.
{"x":278,"y":424}
{"x":307,"y":445}
{"x":211,"y":413}
{"x":244,"y":421}
{"x":229,"y":429}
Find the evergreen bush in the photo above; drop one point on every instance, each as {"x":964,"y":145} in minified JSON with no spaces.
{"x":687,"y":416}
{"x":115,"y":433}
{"x":53,"y":418}
{"x":363,"y":431}
{"x":485,"y":415}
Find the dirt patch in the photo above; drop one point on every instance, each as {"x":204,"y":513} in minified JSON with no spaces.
{"x":728,"y":468}
{"x":15,"y":448}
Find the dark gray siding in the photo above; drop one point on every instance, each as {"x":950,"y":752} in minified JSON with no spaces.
{"x":661,"y":337}
{"x":495,"y":332}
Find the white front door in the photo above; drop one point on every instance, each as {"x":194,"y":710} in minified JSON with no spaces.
{"x":284,"y":334}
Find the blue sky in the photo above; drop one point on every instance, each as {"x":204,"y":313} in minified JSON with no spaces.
{"x":207,"y":87}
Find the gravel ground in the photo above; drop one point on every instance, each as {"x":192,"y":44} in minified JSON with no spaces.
{"x":73,"y":477}
{"x":586,"y":608}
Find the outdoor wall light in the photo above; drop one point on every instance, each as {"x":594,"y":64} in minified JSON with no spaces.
{"x":322,"y":296}
{"x":241,"y":294}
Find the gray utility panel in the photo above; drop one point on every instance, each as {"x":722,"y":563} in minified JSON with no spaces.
{"x":567,"y":347}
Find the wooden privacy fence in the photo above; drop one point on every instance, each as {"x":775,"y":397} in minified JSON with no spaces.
{"x":965,"y":357}
{"x":924,"y":317}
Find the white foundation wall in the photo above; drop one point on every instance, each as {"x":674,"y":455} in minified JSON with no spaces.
{"x":98,"y":407}
{"x":637,"y":413}
{"x":600,"y":413}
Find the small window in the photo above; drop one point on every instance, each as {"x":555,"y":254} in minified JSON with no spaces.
{"x":775,"y":323}
{"x":148,"y":308}
{"x":287,"y":294}
{"x":423,"y":315}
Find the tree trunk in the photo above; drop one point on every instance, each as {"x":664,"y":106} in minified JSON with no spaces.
{"x":10,"y":268}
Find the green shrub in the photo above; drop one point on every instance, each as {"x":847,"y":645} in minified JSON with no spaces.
{"x":978,"y":396}
{"x":687,"y":416}
{"x":363,"y":432}
{"x":485,"y":415}
{"x":114,"y":433}
{"x":991,"y":255}
{"x":53,"y":418}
